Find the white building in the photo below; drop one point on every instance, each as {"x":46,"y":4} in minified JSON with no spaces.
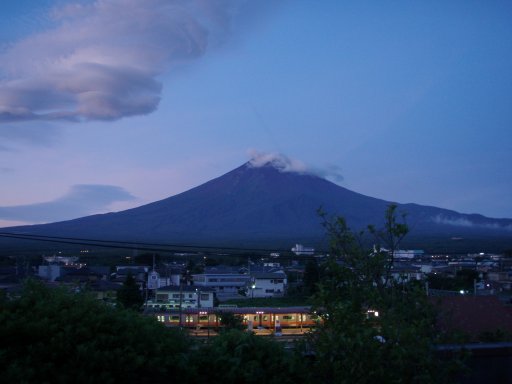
{"x":172,"y":297}
{"x":299,"y":249}
{"x":225,"y":285}
{"x":267,"y":285}
{"x":49,"y":272}
{"x":408,"y":254}
{"x":405,"y":273}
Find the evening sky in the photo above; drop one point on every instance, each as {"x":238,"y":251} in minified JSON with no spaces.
{"x":106,"y":105}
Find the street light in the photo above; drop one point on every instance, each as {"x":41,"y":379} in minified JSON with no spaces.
{"x":198,"y":295}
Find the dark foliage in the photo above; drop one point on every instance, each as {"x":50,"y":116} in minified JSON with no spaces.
{"x":374,"y":329}
{"x":54,"y":336}
{"x":241,"y":357}
{"x":130,"y":296}
{"x":58,"y":336}
{"x":148,"y":258}
{"x":230,"y":321}
{"x":463,"y":280}
{"x":311,"y":277}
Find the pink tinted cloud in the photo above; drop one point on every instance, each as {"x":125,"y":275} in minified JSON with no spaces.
{"x":101,"y":61}
{"x":80,"y":200}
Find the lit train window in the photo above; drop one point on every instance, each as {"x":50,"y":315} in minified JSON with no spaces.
{"x":288,"y":317}
{"x":203,"y":318}
{"x":174,"y":318}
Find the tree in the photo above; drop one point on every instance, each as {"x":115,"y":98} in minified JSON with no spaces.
{"x":53,"y":335}
{"x":56,"y":335}
{"x":507,"y":253}
{"x":240,"y":357}
{"x":311,"y":277}
{"x":463,"y":280}
{"x":148,"y":258}
{"x":192,"y":268}
{"x":129,"y":296}
{"x":230,"y":321}
{"x":374,"y":329}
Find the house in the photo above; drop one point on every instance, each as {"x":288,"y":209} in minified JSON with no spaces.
{"x":267,"y":284}
{"x":186,"y":296}
{"x":139,"y":273}
{"x":49,"y":272}
{"x":104,"y":290}
{"x":502,"y":279}
{"x":226,"y":284}
{"x":67,"y":273}
{"x":164,"y":276}
{"x":403,"y":273}
{"x":77,"y":275}
{"x":408,"y":253}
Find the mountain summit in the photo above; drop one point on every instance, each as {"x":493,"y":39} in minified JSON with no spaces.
{"x":266,"y":203}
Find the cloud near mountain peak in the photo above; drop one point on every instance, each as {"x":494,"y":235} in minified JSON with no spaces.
{"x":278,"y":161}
{"x":284,"y":163}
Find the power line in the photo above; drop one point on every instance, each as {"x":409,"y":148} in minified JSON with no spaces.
{"x":160,"y":247}
{"x":164,"y":247}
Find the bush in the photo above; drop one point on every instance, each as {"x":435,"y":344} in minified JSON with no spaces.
{"x":52,"y":335}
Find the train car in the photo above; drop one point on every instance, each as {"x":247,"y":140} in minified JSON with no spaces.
{"x":252,"y":317}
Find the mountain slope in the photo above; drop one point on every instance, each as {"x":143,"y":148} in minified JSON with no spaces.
{"x":254,"y":205}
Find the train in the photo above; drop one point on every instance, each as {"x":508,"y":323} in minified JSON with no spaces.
{"x":252,"y":317}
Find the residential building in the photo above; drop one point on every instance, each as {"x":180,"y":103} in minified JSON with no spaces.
{"x":174,"y":296}
{"x":404,"y":273}
{"x":267,"y":284}
{"x":225,"y":285}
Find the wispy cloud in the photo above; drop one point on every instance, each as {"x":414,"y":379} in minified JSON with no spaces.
{"x":331,"y":172}
{"x":101,"y":60}
{"x":467,"y":223}
{"x":81,"y":200}
{"x":285,"y":164}
{"x":277,"y":160}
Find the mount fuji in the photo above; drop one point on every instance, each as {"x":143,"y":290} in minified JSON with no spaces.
{"x":267,"y":205}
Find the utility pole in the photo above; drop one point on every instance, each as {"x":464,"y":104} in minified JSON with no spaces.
{"x":198,"y":295}
{"x":181,"y":301}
